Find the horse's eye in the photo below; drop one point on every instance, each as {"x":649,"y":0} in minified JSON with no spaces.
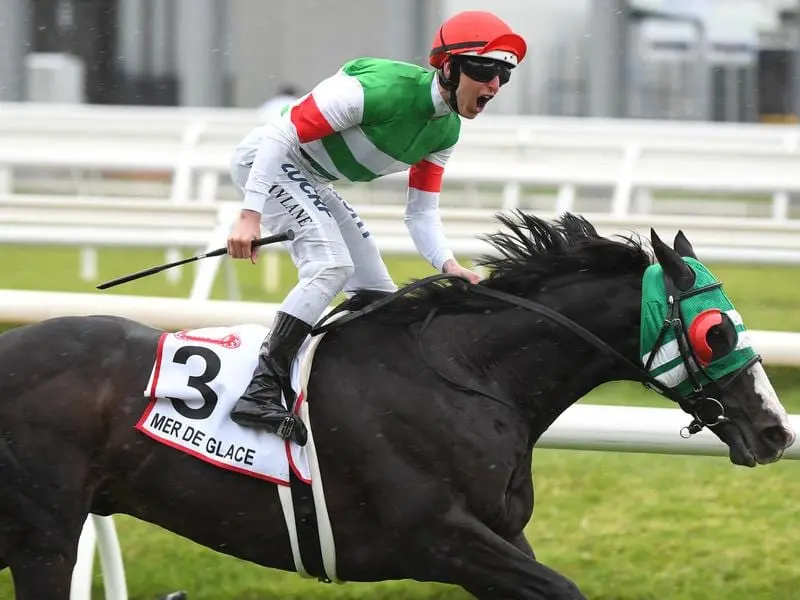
{"x":712,"y":336}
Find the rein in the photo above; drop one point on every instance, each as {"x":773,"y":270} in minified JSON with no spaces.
{"x":326,"y":324}
{"x":705,"y":410}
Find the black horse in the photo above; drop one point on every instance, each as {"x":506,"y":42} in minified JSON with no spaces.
{"x":425,"y":413}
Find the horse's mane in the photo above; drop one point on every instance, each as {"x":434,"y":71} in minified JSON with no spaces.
{"x":527,"y":255}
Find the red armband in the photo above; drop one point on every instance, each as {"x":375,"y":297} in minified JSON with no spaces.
{"x":426,"y":176}
{"x":309,"y":121}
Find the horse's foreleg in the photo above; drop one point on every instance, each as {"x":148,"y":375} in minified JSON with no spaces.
{"x":467,"y":553}
{"x":521,"y":542}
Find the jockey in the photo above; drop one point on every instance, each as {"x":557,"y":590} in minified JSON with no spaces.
{"x":371,"y":118}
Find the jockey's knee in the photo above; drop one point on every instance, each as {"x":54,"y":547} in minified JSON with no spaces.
{"x":332,"y":275}
{"x":380,"y":284}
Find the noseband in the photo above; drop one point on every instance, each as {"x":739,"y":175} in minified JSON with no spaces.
{"x":705,"y":408}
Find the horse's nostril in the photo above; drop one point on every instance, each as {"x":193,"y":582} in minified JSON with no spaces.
{"x":778,"y":436}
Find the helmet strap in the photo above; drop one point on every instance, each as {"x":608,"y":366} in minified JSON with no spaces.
{"x":451,"y":83}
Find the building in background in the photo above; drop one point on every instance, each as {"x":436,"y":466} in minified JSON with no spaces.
{"x":724,"y":60}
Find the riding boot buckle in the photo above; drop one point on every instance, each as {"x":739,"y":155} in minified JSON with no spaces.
{"x":286,"y":428}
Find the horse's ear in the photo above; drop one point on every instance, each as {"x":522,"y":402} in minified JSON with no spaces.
{"x":683,"y":246}
{"x":671,"y":262}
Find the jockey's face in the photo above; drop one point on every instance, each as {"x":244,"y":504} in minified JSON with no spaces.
{"x":472,"y":95}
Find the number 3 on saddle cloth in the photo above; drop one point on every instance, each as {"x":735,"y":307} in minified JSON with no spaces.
{"x":197,"y":377}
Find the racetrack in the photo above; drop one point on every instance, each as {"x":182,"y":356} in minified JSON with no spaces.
{"x":624,"y":526}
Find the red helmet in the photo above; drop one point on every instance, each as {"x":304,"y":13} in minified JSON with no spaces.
{"x":477,"y":33}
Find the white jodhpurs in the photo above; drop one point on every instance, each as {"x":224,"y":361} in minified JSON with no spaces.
{"x":332,"y":249}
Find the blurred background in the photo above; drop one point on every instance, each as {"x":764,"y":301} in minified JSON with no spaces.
{"x":718,"y":60}
{"x":117,"y":123}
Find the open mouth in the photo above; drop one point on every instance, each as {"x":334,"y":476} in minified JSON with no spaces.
{"x":483,"y":100}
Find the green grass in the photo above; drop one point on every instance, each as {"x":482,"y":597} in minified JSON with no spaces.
{"x":624,"y":526}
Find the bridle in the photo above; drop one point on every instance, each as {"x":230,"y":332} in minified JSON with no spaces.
{"x":705,"y":408}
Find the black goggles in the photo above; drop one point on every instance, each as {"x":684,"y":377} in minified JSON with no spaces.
{"x":485,"y":70}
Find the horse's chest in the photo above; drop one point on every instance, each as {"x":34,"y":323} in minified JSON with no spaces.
{"x":507,"y":496}
{"x":501,"y":500}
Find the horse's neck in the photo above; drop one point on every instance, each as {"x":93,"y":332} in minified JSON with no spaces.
{"x":544,"y":366}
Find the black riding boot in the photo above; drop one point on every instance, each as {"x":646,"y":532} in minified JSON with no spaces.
{"x":260,"y":405}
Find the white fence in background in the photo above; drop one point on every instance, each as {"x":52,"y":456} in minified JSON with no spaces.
{"x":581,"y":427}
{"x":91,"y":223}
{"x":23,"y":306}
{"x":512,"y":156}
{"x":502,"y":162}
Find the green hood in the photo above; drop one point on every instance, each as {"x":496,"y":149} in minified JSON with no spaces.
{"x":668,"y":366}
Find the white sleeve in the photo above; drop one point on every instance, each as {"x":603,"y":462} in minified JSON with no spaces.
{"x":278,"y":136}
{"x":422,"y":216}
{"x":335,"y":104}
